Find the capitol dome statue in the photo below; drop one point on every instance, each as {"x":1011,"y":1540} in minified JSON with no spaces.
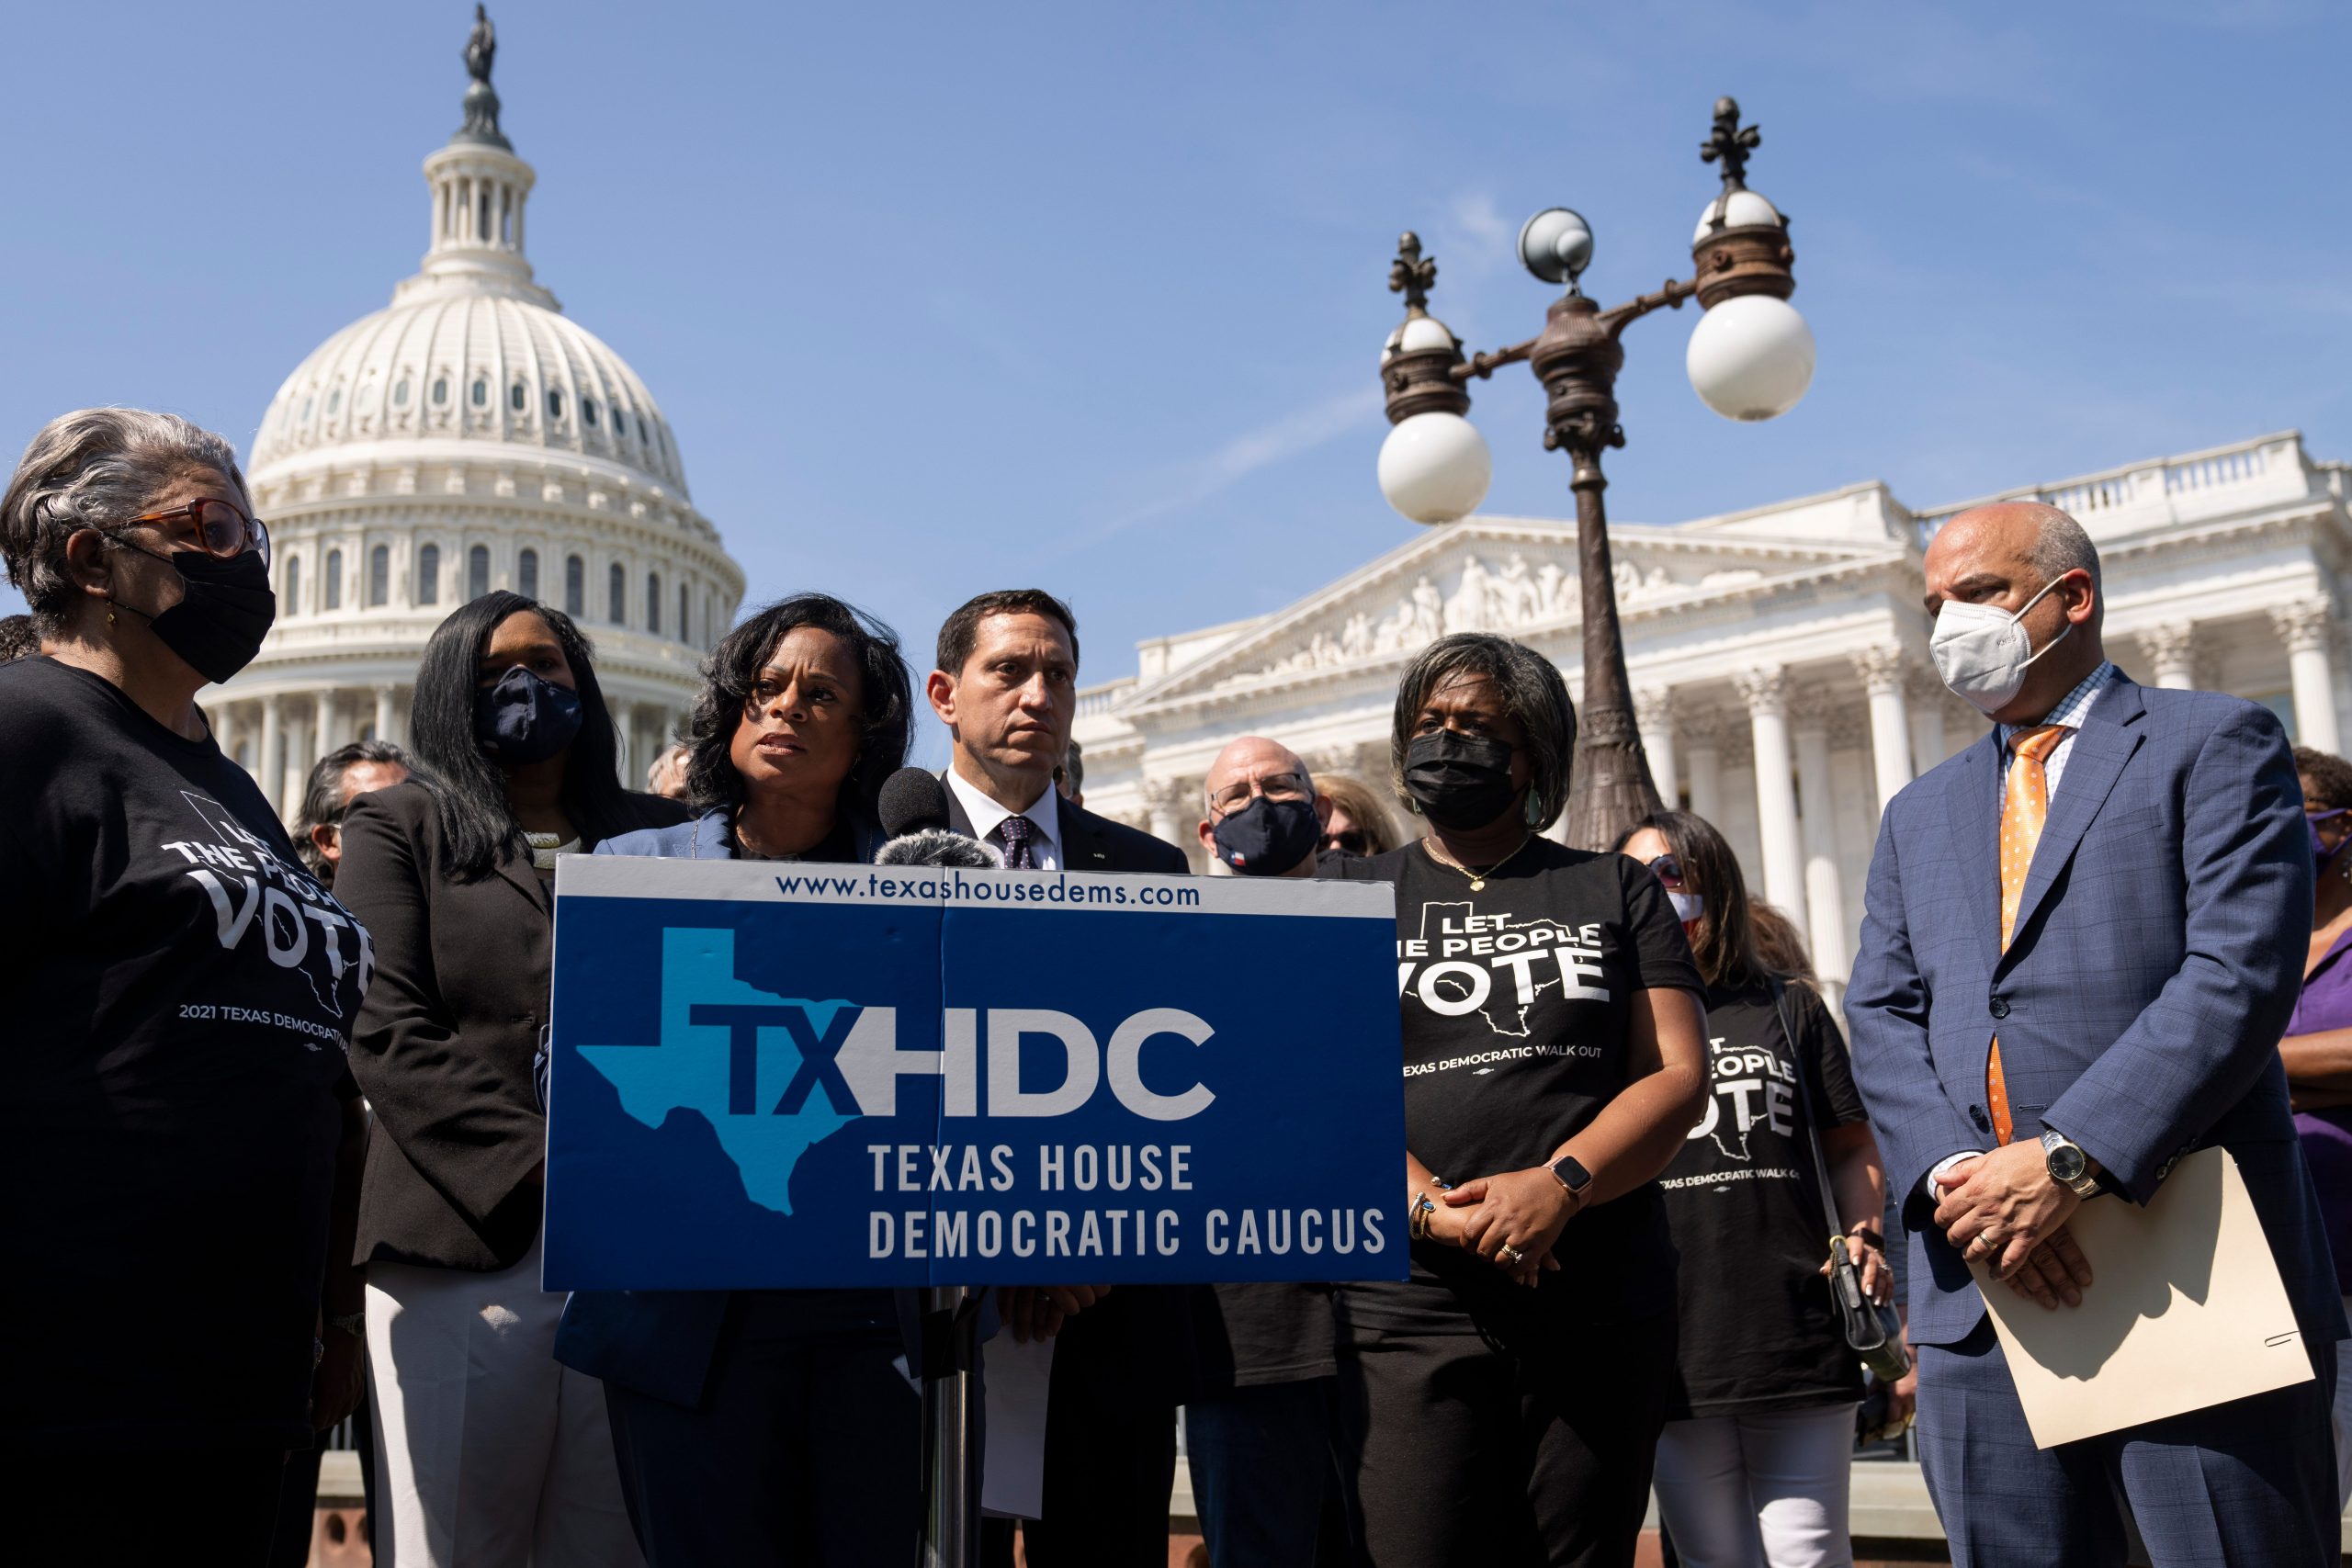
{"x":468,"y":437}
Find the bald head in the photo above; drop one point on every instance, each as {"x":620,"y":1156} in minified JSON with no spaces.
{"x":2002,"y":556}
{"x":1252,"y":757}
{"x":2023,"y":532}
{"x":1246,"y":765}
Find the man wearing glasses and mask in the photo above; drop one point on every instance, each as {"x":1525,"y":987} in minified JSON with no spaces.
{"x":1261,"y":1437}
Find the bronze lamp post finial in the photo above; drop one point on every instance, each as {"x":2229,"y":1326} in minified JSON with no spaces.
{"x":1730,"y":144}
{"x":1411,"y":274}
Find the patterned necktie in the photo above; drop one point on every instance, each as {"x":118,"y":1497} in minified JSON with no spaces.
{"x":1015,"y":833}
{"x":2025,"y":807}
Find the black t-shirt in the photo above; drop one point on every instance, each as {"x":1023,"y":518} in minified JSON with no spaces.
{"x":1757,"y":1330}
{"x":1518,"y":1002}
{"x":179,"y":991}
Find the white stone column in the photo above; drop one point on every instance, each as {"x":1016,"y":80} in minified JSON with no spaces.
{"x":1766,"y":692}
{"x":385,"y":721}
{"x":1882,"y":670}
{"x":1928,"y":740}
{"x":1164,"y":799}
{"x":227,"y":728}
{"x":299,"y":729}
{"x":1701,"y":763}
{"x":1825,"y":896}
{"x":2171,"y":653}
{"x":336,"y":731}
{"x":269,"y":764}
{"x":2305,"y":627}
{"x":1654,"y":716}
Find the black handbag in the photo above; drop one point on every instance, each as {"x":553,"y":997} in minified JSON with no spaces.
{"x":1875,"y":1332}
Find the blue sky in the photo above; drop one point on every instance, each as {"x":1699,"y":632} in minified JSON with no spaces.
{"x":941,"y":298}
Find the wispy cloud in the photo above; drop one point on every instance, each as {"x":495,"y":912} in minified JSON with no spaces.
{"x":1189,"y":484}
{"x":1489,"y":233}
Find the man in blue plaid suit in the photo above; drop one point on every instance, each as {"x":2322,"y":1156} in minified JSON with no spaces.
{"x":2084,"y":936}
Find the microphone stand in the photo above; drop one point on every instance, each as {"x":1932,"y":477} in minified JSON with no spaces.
{"x":914,"y":811}
{"x":951,"y":1426}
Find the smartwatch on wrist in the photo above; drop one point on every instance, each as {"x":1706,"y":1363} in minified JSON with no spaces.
{"x":1573,"y":1176}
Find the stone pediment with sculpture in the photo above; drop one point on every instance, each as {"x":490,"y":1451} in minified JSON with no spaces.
{"x":1493,"y":589}
{"x":1486,"y":575}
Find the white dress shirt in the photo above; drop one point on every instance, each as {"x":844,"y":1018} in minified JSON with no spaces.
{"x":988,"y":816}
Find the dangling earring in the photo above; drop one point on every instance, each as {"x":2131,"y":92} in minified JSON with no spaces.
{"x":1533,"y":810}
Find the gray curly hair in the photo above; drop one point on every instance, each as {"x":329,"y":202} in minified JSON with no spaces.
{"x":93,"y":468}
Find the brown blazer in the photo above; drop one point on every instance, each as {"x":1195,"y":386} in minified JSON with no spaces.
{"x":443,"y":1043}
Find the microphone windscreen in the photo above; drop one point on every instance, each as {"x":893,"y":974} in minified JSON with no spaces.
{"x":912,"y":800}
{"x":934,"y":847}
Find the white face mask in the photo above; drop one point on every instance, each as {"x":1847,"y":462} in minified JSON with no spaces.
{"x":1687,"y":907}
{"x":1983,"y":651}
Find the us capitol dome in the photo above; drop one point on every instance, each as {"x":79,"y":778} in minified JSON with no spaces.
{"x":468,"y":437}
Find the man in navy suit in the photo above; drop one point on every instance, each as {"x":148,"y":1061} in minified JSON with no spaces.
{"x":2084,"y":936}
{"x":1006,"y":686}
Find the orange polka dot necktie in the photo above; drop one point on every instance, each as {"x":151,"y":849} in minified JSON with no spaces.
{"x":2025,"y":807}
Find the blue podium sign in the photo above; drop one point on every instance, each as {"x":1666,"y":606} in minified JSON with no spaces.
{"x":770,"y":1076}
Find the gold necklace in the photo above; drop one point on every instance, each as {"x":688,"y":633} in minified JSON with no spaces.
{"x":1478,"y":878}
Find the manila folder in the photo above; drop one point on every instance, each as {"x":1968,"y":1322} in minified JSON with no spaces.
{"x":2186,"y":1310}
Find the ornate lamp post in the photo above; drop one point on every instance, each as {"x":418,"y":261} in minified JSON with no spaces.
{"x":1750,"y":357}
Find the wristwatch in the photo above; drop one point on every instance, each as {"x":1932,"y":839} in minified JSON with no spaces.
{"x":2068,"y":1165}
{"x":1572,"y":1175}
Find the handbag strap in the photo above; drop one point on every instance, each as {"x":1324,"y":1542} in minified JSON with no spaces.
{"x":1804,"y":1097}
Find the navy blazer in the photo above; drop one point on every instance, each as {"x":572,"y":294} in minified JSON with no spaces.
{"x":2159,"y":946}
{"x":662,"y":1343}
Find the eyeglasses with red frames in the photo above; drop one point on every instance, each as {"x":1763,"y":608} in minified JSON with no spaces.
{"x":219,"y":529}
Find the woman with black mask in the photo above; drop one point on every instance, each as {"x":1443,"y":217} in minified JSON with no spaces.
{"x":490,"y":1454}
{"x":1755,"y":1463}
{"x":1506,"y":1400}
{"x":770,"y":1428}
{"x":180,"y":1136}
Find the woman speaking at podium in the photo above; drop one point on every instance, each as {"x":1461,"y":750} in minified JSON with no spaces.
{"x":1506,"y":1400}
{"x":767,"y":1429}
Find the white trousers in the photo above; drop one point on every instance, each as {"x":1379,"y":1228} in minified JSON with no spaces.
{"x":1759,"y":1490}
{"x":489,"y":1454}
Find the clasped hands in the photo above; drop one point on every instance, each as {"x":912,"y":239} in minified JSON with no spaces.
{"x":1038,"y":1312}
{"x":1513,"y":1220}
{"x":2004,"y":1210}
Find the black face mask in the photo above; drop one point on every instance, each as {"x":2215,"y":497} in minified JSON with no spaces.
{"x":524,"y":718}
{"x":1267,"y":838}
{"x":1458,"y":781}
{"x":224,"y":612}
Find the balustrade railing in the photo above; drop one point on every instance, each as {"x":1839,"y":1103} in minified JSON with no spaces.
{"x":2198,"y":474}
{"x":1103,"y":698}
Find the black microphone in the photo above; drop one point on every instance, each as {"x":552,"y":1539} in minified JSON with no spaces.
{"x":912,"y":800}
{"x":913,"y":808}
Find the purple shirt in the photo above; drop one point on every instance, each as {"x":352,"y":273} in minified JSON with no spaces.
{"x":2326,"y":1003}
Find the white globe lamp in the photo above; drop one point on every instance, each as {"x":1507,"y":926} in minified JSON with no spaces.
{"x":1434,"y":468}
{"x":1751,"y":358}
